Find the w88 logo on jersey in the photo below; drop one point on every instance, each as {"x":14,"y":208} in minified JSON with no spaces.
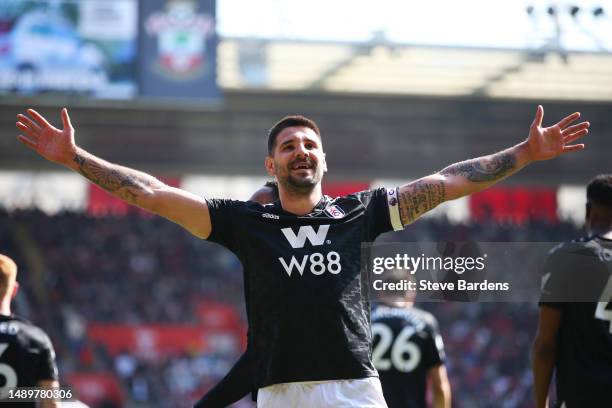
{"x":317,"y":263}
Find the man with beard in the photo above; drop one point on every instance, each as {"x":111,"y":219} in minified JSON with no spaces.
{"x":307,"y":303}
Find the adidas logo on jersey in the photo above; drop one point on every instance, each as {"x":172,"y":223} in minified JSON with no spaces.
{"x":271,"y":216}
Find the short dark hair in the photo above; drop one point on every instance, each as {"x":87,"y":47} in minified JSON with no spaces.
{"x":599,"y":190}
{"x":289,"y":121}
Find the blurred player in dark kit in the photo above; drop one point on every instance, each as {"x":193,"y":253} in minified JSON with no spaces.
{"x":27,"y":358}
{"x":408,"y":351}
{"x":574,"y":337}
{"x":307,"y":305}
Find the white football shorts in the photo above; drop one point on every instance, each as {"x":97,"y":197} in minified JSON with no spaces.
{"x":359,"y":393}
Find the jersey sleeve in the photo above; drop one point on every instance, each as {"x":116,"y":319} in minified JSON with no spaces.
{"x":382,"y":211}
{"x":225,"y":221}
{"x":47,"y":366}
{"x":434,"y":353}
{"x":571,"y":273}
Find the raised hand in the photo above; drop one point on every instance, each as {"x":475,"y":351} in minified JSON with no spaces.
{"x":549,"y":142}
{"x":51,"y":143}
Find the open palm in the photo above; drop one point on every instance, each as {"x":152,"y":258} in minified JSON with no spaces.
{"x":53,"y":144}
{"x":550,"y":142}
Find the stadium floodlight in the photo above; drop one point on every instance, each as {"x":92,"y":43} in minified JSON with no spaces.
{"x":574,"y":10}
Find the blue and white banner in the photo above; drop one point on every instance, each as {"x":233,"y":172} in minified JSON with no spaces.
{"x":64,"y":46}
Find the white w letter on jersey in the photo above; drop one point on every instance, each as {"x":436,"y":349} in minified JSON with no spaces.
{"x":306,"y":232}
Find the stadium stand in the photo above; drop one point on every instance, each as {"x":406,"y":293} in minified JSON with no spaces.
{"x":385,"y":68}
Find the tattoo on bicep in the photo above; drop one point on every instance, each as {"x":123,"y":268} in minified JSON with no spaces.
{"x":418,"y":198}
{"x":121,"y":183}
{"x":484,"y":169}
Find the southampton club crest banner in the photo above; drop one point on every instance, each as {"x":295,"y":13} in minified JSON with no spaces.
{"x":178,"y":49}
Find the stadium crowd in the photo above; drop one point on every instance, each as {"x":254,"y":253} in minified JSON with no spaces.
{"x":78,"y":271}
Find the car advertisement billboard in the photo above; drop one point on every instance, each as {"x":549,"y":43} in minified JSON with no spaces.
{"x":63,"y":46}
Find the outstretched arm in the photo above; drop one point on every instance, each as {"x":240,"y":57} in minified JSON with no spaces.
{"x":467,"y":177}
{"x":135,"y":187}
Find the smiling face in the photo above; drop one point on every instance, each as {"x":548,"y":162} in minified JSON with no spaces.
{"x":297,"y":159}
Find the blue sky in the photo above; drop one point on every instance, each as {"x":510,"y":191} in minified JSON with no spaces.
{"x":479,"y":23}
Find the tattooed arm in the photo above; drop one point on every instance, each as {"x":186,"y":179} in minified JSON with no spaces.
{"x":467,"y":177}
{"x":129,"y":185}
{"x":135,"y":187}
{"x":457,"y":180}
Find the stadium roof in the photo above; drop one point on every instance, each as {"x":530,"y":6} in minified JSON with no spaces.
{"x":380,"y":67}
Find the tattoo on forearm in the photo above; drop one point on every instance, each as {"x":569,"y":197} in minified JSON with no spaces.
{"x":80,"y":160}
{"x":420,"y":197}
{"x":121,"y":182}
{"x":484,"y":169}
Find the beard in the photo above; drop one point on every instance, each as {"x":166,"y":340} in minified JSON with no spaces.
{"x":301,"y":185}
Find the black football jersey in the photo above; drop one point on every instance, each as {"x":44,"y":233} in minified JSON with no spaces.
{"x":407,"y":343}
{"x":26,"y":355}
{"x":578,"y":282}
{"x":306,"y":294}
